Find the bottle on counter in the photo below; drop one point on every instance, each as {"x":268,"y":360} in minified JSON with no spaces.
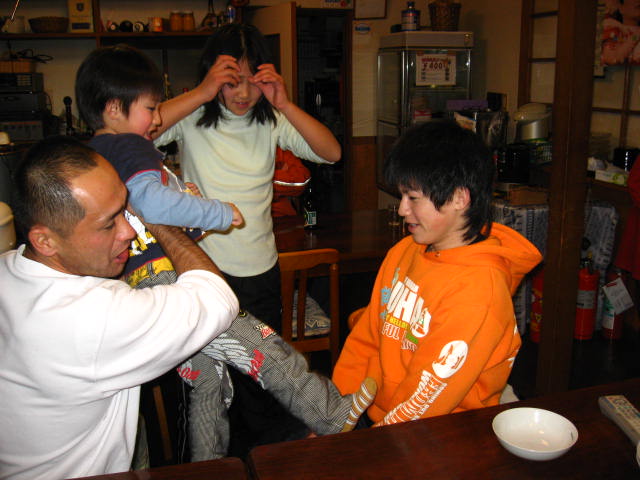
{"x":231,"y":14}
{"x":410,"y":18}
{"x":168,"y":92}
{"x":310,"y":209}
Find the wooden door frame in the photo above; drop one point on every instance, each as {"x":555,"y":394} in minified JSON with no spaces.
{"x":573,"y":88}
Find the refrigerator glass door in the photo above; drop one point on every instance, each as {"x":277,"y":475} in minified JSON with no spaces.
{"x":435,"y":76}
{"x":390,"y":86}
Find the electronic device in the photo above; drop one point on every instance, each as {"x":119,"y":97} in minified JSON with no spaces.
{"x":623,"y":414}
{"x":21,"y":105}
{"x":21,"y":82}
{"x":23,"y":130}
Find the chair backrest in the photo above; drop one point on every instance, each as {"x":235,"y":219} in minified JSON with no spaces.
{"x":294,"y":271}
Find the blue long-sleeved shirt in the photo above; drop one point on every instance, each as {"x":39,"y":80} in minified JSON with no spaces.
{"x":158,"y":196}
{"x":154,"y":193}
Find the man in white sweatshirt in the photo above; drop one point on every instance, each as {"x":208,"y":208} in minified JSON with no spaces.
{"x":76,"y":343}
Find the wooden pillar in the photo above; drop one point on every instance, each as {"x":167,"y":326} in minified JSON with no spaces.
{"x":571,"y":124}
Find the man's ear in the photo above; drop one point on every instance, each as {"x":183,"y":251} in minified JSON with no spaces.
{"x":43,"y":240}
{"x":461,"y":198}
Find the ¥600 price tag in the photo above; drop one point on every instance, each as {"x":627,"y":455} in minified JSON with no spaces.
{"x":435,"y":69}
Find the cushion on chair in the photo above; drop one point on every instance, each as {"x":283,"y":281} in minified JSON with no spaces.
{"x":316,"y":320}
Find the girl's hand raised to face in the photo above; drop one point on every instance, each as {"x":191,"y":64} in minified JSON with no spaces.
{"x":224,"y":71}
{"x":271,"y":85}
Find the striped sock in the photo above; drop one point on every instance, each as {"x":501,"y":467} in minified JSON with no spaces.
{"x":360,"y":402}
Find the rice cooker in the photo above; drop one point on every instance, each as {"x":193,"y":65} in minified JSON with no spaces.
{"x":533,"y":122}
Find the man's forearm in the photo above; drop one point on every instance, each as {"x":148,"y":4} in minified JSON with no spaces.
{"x":181,"y":250}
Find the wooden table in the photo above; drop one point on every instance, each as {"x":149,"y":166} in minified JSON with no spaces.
{"x":460,"y":446}
{"x":362,"y":237}
{"x":223,"y":469}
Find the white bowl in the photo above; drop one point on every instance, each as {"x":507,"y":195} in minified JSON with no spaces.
{"x":534,"y":433}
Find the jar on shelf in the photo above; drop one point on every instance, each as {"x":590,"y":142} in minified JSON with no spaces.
{"x":188,"y":21}
{"x":176,"y":21}
{"x":155,"y":24}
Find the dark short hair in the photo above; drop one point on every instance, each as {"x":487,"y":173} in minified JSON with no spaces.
{"x":42,"y":193}
{"x":438,"y":157}
{"x":240,"y":41}
{"x":118,"y":72}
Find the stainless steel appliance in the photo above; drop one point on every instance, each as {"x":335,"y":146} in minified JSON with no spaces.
{"x":533,"y":122}
{"x":417,"y":73}
{"x":24,"y":107}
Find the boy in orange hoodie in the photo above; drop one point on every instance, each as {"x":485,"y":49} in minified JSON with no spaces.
{"x":439,"y":334}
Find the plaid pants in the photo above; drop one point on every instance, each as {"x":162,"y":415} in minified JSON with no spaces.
{"x":253,"y":348}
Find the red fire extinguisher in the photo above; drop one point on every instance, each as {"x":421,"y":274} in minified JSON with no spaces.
{"x":587,"y":301}
{"x":611,"y":323}
{"x":535,"y":320}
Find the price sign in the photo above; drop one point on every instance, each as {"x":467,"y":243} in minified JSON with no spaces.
{"x":435,"y":69}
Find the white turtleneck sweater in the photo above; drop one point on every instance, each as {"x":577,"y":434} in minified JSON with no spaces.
{"x":235,"y":163}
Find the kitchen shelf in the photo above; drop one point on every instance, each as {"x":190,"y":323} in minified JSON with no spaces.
{"x":45,"y":36}
{"x":103,"y":35}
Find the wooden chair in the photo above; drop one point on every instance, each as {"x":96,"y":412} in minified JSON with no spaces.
{"x":294,"y":270}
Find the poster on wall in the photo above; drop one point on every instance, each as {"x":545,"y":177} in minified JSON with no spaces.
{"x":435,"y":69}
{"x":621,"y":32}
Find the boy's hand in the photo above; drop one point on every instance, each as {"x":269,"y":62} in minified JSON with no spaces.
{"x":224,"y":70}
{"x":271,"y":85}
{"x":133,"y":212}
{"x":193,"y":189}
{"x":238,"y":219}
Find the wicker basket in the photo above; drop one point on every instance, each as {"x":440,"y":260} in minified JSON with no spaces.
{"x":444,"y":16}
{"x":49,"y":24}
{"x":21,"y":65}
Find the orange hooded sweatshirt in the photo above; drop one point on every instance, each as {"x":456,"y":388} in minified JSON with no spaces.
{"x":439,"y":334}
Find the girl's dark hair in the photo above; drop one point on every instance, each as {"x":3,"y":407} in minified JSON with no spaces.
{"x":119,"y":72}
{"x":438,"y":157}
{"x":241,"y":42}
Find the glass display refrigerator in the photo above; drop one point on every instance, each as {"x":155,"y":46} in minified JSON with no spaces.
{"x":418,"y":72}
